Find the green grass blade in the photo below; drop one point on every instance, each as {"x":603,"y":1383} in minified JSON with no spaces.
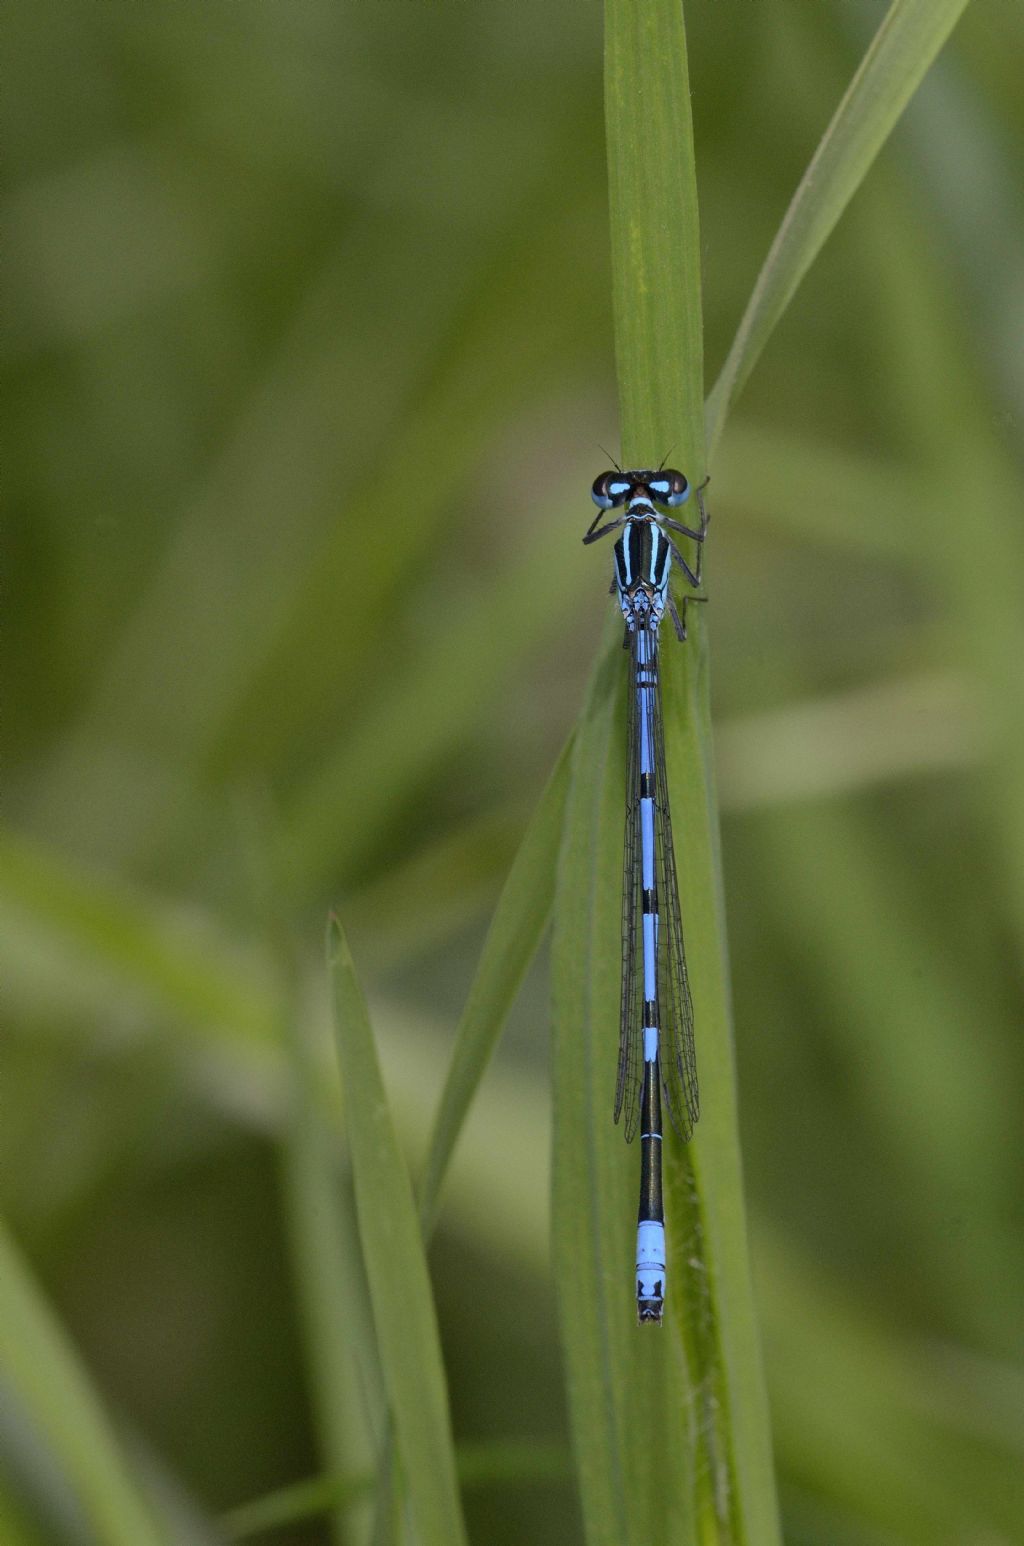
{"x":334,"y":1315}
{"x":396,"y":1267}
{"x":343,"y":1375}
{"x":655,"y":235}
{"x":901,"y":52}
{"x":671,"y":1431}
{"x":41,"y":1367}
{"x":519,"y":922}
{"x":309,"y":1499}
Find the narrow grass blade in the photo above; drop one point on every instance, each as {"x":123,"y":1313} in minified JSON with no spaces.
{"x":671,"y":1431}
{"x":343,"y":1374}
{"x":310,"y":1499}
{"x":42,"y":1368}
{"x":400,"y":1292}
{"x":903,"y":48}
{"x":520,"y":919}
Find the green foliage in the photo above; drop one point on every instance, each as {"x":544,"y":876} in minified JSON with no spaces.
{"x":311,"y":340}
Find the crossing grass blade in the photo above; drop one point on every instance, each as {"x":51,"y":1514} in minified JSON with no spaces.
{"x":39,"y":1365}
{"x":671,"y":1430}
{"x":486,"y":1463}
{"x":903,"y":48}
{"x":400,"y":1294}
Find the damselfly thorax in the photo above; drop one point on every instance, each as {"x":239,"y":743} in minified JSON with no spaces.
{"x":643,"y":560}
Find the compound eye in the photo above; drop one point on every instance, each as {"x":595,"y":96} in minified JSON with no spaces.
{"x":669,"y":488}
{"x":609,"y":490}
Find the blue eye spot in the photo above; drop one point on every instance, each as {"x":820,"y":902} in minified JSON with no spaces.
{"x":661,"y":487}
{"x":618,"y":490}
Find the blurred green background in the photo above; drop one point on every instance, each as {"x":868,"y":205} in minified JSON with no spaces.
{"x":308,"y":344}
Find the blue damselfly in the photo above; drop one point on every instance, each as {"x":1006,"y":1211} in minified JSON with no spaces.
{"x":656,"y":1051}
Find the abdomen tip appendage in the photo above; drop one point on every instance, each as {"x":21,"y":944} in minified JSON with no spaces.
{"x":650,"y":1270}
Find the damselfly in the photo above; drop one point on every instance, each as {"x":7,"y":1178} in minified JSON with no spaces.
{"x":656,"y":1052}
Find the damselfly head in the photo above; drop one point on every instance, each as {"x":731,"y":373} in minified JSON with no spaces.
{"x":664,"y":487}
